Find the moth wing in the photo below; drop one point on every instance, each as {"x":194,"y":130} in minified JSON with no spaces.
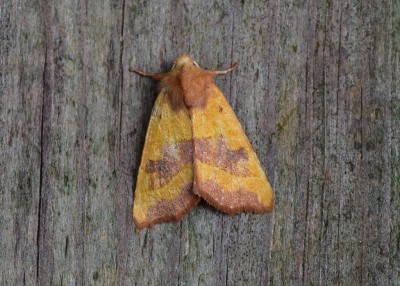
{"x":165,"y":179}
{"x":228,"y":174}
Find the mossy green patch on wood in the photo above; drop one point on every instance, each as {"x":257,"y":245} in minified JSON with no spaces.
{"x":284,"y":120}
{"x":22,"y":194}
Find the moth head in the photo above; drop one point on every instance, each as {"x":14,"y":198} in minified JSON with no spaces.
{"x":184,"y":60}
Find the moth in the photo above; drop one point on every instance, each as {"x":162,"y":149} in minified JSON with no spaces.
{"x":195,"y":148}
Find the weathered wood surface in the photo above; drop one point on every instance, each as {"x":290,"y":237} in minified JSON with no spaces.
{"x":317,"y":92}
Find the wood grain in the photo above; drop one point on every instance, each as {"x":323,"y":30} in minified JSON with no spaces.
{"x":317,"y":92}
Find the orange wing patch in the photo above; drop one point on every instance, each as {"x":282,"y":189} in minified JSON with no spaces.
{"x":165,"y":180}
{"x":228,"y":174}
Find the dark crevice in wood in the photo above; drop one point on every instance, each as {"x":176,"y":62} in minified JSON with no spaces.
{"x":39,"y":229}
{"x":308,"y":138}
{"x":121,"y":73}
{"x":82,"y":158}
{"x":44,"y":269}
{"x":323,"y":220}
{"x":363,"y":208}
{"x":180,"y":250}
{"x":336,"y":145}
{"x":226,"y":270}
{"x":231,"y":54}
{"x":122,"y":211}
{"x":364,"y":123}
{"x":231,"y":96}
{"x":218,"y":249}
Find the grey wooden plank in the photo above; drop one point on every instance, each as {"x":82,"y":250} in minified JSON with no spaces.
{"x":21,"y":72}
{"x":317,"y":92}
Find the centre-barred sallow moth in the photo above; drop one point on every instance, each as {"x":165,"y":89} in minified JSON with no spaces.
{"x":195,"y":148}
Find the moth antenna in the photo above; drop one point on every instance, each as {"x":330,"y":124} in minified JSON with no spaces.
{"x":156,"y":76}
{"x":215,"y":73}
